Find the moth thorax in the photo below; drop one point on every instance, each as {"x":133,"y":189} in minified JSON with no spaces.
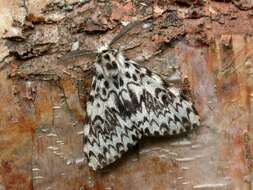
{"x":108,"y":61}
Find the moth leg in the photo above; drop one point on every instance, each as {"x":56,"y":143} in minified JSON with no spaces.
{"x":137,"y":149}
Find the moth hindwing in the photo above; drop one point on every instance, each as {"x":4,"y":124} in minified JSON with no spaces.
{"x":127,"y":101}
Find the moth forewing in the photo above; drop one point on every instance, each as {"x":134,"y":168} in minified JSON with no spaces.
{"x":127,"y":102}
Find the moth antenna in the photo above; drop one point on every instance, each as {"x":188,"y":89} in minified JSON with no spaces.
{"x":78,"y":53}
{"x":126,"y":29}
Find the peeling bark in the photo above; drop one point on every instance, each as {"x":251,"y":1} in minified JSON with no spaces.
{"x":43,"y":95}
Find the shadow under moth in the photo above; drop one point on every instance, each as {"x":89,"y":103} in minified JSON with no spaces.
{"x":127,"y":102}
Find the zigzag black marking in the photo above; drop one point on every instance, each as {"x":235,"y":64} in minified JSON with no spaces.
{"x":122,"y":121}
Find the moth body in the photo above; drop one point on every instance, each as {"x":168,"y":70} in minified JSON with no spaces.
{"x":127,"y":101}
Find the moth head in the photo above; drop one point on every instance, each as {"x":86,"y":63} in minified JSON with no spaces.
{"x":110,"y":61}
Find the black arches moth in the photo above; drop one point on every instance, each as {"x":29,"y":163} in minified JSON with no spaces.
{"x":128,"y":101}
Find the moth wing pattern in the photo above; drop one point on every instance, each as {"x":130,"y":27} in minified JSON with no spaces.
{"x":127,"y":101}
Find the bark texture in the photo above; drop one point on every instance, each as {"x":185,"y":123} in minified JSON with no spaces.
{"x":42,"y":106}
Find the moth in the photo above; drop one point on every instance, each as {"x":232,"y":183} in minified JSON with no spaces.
{"x":127,"y":102}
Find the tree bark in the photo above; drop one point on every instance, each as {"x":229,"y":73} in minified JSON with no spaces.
{"x":43,"y":94}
